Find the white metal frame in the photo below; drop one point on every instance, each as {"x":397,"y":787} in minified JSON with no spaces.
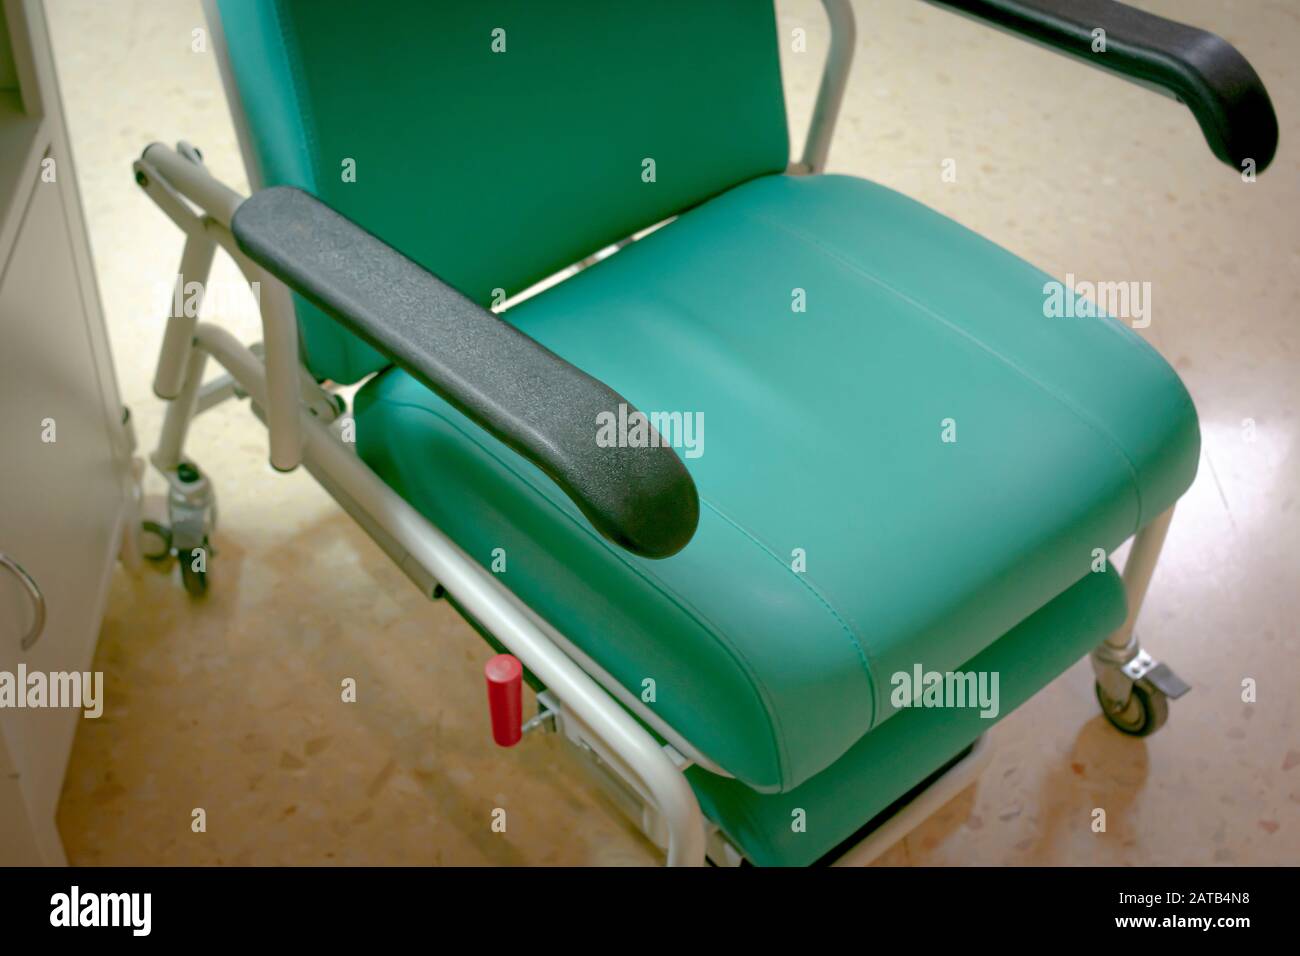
{"x":590,"y":708}
{"x":830,"y":93}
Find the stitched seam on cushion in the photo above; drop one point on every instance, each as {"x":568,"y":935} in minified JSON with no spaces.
{"x":1113,"y":327}
{"x":1069,"y":405}
{"x":803,"y":579}
{"x":297,"y":83}
{"x":774,"y":719}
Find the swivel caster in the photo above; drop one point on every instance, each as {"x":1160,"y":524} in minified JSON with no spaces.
{"x":1134,"y":689}
{"x":191,"y":516}
{"x":1145,"y":712}
{"x":193,"y":509}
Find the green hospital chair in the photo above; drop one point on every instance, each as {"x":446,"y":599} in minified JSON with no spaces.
{"x":909,"y":469}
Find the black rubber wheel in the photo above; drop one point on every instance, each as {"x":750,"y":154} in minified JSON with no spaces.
{"x":1146,"y":711}
{"x":196,"y":582}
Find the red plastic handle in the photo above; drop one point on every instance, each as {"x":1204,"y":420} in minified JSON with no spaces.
{"x":505,"y":687}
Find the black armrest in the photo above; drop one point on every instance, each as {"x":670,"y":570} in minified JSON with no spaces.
{"x":1223,"y":91}
{"x":641,"y":498}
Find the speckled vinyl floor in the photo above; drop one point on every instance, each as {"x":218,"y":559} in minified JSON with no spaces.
{"x":232,"y":704}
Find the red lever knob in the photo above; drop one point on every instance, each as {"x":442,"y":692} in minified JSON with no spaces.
{"x":505,"y":687}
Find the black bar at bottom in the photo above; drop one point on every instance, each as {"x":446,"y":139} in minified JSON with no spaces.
{"x":456,"y":909}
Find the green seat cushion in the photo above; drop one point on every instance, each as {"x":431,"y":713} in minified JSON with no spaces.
{"x":496,"y":158}
{"x":900,"y":755}
{"x":841,"y":539}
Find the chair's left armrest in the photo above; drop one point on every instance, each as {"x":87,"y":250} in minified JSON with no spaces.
{"x":641,"y":498}
{"x":1203,"y":70}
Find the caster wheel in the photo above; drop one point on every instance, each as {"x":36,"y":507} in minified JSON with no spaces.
{"x":1146,"y":711}
{"x":155,"y":541}
{"x":195,"y":580}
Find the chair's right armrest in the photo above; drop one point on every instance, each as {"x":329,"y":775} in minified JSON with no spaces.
{"x":1203,"y":70}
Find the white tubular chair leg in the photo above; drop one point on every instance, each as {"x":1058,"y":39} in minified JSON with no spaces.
{"x":180,"y":411}
{"x":1138,"y":571}
{"x":196,"y":264}
{"x":280,"y":339}
{"x":1120,"y":664}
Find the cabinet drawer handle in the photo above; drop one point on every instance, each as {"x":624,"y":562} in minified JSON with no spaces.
{"x":38,"y":600}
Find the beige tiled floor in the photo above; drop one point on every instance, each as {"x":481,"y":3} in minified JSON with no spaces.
{"x":232,"y":704}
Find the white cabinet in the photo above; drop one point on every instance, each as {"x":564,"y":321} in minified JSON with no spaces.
{"x":65,"y":475}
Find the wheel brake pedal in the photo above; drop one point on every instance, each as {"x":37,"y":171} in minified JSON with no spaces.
{"x":1167,"y":682}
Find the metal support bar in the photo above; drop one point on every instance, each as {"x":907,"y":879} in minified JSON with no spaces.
{"x":180,"y":412}
{"x":280,"y":339}
{"x":1139,"y":568}
{"x":193,"y":181}
{"x":196,"y":264}
{"x":830,"y":94}
{"x":213,"y":393}
{"x":320,"y":402}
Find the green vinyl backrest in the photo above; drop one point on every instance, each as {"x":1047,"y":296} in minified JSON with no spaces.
{"x":497,"y":141}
